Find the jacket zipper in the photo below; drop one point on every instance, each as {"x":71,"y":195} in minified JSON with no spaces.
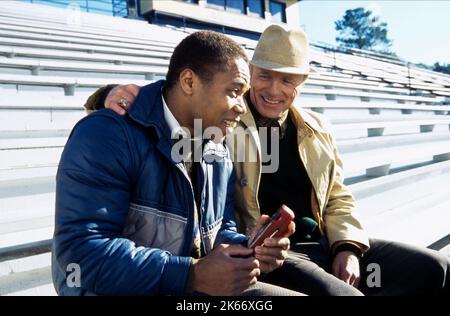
{"x":191,"y":228}
{"x":200,"y":209}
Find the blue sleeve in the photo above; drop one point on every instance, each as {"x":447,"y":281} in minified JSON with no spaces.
{"x":228,"y":233}
{"x":93,"y":186}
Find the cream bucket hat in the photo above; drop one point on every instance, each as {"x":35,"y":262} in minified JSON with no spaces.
{"x":283,"y":50}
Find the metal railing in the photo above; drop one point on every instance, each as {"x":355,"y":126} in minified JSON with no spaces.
{"x":44,"y":246}
{"x":25,"y":250}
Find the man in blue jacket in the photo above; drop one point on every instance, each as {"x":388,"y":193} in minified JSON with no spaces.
{"x":132,"y":218}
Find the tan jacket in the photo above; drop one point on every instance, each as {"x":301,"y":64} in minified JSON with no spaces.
{"x":332,"y":202}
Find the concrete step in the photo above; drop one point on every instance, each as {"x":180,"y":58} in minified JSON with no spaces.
{"x":28,"y":207}
{"x":30,"y":235}
{"x":31,"y":143}
{"x":380,"y":185}
{"x":28,"y":174}
{"x":381,"y":142}
{"x":445,"y":251}
{"x":356,"y":163}
{"x":416,"y":213}
{"x":419,"y":224}
{"x":36,"y":282}
{"x":34,"y":135}
{"x":30,"y":157}
{"x":24,"y":264}
{"x":36,"y":119}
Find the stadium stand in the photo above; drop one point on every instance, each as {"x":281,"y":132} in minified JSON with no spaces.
{"x":392,"y":124}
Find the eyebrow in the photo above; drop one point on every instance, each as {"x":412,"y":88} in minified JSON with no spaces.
{"x":241,"y":83}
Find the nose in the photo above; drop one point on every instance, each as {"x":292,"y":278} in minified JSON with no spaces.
{"x":240,"y":107}
{"x":274,"y":87}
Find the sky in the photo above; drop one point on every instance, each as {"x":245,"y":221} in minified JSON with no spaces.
{"x":420,"y":30}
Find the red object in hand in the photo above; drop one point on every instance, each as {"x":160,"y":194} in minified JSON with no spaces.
{"x":276,"y":227}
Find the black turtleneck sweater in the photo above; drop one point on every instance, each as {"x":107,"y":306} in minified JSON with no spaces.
{"x":290,"y":184}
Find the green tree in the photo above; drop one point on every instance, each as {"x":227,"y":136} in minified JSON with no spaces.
{"x":359,"y":28}
{"x":444,"y":68}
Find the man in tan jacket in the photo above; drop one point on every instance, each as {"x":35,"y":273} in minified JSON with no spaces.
{"x":330,"y":251}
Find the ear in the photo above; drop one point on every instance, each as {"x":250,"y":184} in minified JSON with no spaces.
{"x":253,"y":70}
{"x":187,"y":80}
{"x":250,"y":66}
{"x":305,"y":77}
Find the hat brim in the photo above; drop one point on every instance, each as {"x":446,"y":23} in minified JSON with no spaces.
{"x":308,"y":70}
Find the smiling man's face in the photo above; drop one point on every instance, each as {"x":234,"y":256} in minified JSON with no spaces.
{"x":272,"y":93}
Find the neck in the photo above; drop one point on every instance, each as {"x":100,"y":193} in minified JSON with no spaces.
{"x":176,"y":104}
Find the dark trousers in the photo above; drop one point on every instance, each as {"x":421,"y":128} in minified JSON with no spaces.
{"x":266,"y":289}
{"x":388,"y":268}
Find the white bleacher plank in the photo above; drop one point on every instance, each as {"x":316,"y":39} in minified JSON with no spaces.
{"x":89,"y":23}
{"x":29,"y":120}
{"x":36,"y":282}
{"x":81,"y":66}
{"x":437,"y":109}
{"x":43,"y":102}
{"x":34,"y":134}
{"x":340,"y":92}
{"x":389,"y":210}
{"x":26,"y":236}
{"x":360,"y":144}
{"x":15,"y":42}
{"x":22,"y":158}
{"x":27,"y":174}
{"x":26,"y":207}
{"x":14,"y":267}
{"x":28,"y":224}
{"x":355,"y":86}
{"x":27,"y":143}
{"x":69,"y":85}
{"x":356,"y":163}
{"x":330,"y":76}
{"x":74,"y":55}
{"x":46,"y":34}
{"x":373,"y":125}
{"x":396,"y":213}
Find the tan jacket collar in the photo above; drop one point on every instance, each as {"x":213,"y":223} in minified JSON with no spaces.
{"x":304,"y":117}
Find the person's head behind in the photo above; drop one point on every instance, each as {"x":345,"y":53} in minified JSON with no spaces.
{"x":279,"y":67}
{"x":211,"y":72}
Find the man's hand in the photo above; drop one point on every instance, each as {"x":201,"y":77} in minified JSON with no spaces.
{"x":346,"y":268}
{"x":225,"y":271}
{"x":274,"y":250}
{"x":125,"y":92}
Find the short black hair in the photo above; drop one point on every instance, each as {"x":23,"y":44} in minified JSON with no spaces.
{"x":205,"y":53}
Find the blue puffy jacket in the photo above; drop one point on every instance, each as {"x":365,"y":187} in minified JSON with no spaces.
{"x":124,"y":207}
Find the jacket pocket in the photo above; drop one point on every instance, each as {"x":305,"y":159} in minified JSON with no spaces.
{"x":154,"y":228}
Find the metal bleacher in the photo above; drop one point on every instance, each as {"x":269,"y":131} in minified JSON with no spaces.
{"x":391,"y":121}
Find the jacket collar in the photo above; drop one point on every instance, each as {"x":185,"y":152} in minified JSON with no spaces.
{"x":148,"y":111}
{"x":307,"y":119}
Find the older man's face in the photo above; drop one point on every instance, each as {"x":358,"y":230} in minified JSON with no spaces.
{"x":272,"y":93}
